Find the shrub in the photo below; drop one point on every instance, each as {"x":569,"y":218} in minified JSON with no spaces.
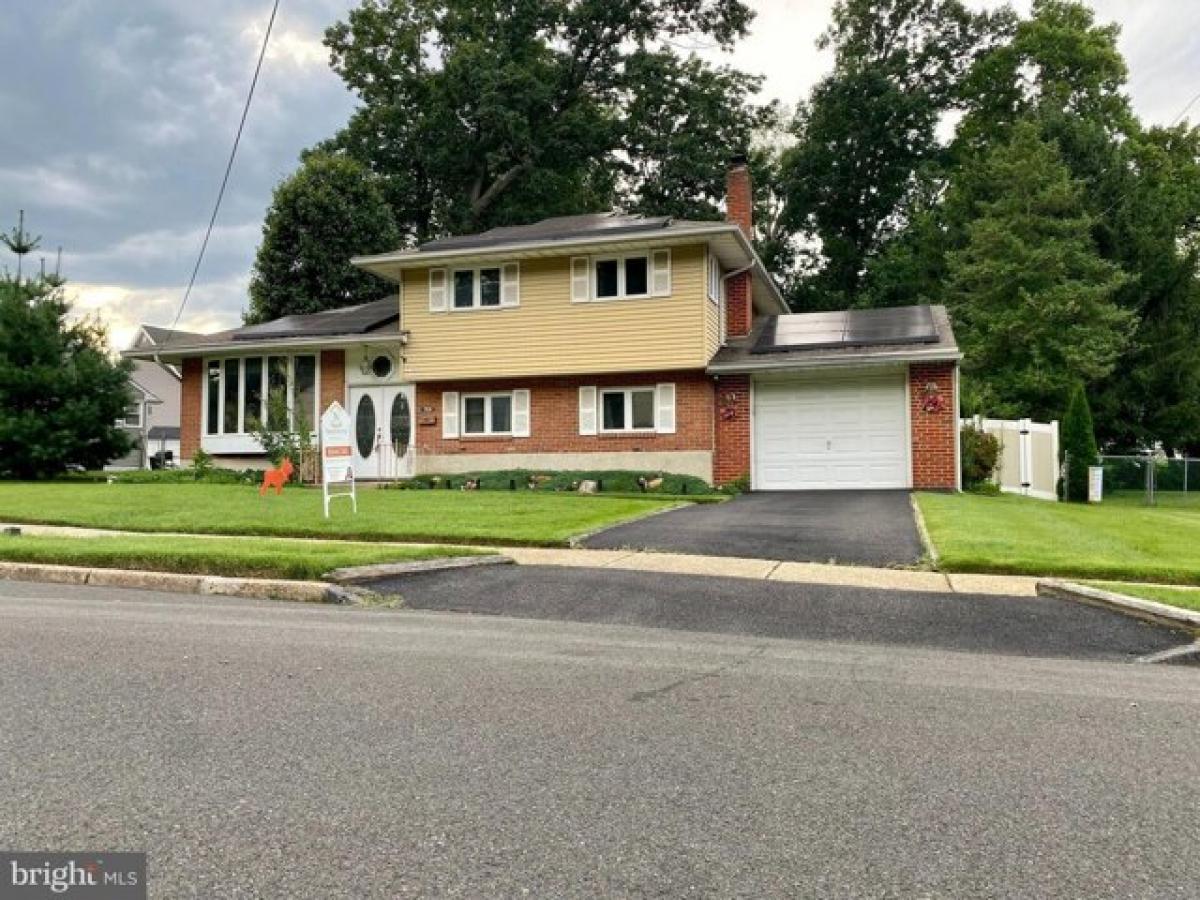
{"x":610,"y":481}
{"x":980,"y":456}
{"x":1078,"y":446}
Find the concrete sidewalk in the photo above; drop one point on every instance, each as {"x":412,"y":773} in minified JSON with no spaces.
{"x":686,"y":564}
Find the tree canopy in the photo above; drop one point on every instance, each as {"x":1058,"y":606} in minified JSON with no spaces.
{"x":988,"y":160}
{"x":61,"y":393}
{"x":329,"y":210}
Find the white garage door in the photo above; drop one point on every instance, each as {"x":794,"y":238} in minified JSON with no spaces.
{"x":848,"y":432}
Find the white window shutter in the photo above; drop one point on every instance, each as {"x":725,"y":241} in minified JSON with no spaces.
{"x":581,"y":279}
{"x":449,"y":414}
{"x":437,"y":290}
{"x":510,"y":284}
{"x":665,"y":408}
{"x":587,"y":410}
{"x":520,"y":413}
{"x":660,"y":273}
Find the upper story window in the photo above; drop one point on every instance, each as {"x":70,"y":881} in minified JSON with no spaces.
{"x":476,"y":287}
{"x":132,"y":418}
{"x":714,"y":278}
{"x":629,"y":276}
{"x":485,"y":287}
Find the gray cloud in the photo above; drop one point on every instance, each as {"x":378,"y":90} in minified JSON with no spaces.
{"x":118,"y":116}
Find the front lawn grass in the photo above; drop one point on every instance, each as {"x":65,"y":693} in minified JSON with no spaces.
{"x":519,"y":517}
{"x":1119,"y":539}
{"x":1184,"y":598}
{"x":269,"y":558}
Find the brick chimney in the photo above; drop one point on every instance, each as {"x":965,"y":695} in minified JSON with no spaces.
{"x":739,"y":206}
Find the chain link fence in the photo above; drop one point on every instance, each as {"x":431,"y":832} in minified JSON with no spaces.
{"x":1174,"y":480}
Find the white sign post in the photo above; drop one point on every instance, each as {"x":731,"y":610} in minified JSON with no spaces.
{"x":337,"y":469}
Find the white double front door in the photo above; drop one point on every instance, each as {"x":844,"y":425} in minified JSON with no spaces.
{"x":383,"y":433}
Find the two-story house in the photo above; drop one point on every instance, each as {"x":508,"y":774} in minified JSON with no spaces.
{"x":592,"y":342}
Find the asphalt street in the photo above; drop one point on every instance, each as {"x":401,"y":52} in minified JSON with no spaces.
{"x":1028,"y":626}
{"x":870,"y":528}
{"x":259,"y":749}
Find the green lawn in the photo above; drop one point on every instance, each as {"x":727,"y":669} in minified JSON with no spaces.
{"x":1184,"y":598}
{"x":268,"y":558}
{"x":520,"y":517}
{"x":1118,"y":539}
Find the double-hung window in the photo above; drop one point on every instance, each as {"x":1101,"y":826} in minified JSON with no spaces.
{"x":627,"y":409}
{"x":132,"y":418}
{"x":487,"y":414}
{"x":626,"y":276}
{"x":475,"y":288}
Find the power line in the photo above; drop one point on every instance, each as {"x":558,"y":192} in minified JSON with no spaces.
{"x":228,"y":166}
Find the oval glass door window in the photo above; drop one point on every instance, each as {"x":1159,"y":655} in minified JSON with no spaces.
{"x":364,"y":426}
{"x":401,"y":424}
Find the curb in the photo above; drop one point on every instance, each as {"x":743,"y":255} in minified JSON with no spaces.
{"x":1159,"y":613}
{"x":923,"y":531}
{"x":246,"y":588}
{"x":354,"y":574}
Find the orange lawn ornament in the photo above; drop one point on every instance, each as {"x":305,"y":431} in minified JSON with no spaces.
{"x":276,"y":478}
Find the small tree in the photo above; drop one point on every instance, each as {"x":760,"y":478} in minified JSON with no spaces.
{"x":980,"y":456}
{"x":278,"y":438}
{"x":61,"y":392}
{"x":1078,"y":445}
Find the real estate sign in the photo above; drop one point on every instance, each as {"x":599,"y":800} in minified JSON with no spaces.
{"x":337,"y":458}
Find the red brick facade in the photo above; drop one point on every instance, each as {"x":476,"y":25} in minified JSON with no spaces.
{"x":739,"y":209}
{"x":333,"y":378}
{"x":731,"y":444}
{"x":554,"y":416}
{"x":191,"y":403}
{"x":933,"y":413}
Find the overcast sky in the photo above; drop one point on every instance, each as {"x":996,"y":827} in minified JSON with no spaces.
{"x":118,"y":117}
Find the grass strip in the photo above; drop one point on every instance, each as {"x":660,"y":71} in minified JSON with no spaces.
{"x":271,"y":558}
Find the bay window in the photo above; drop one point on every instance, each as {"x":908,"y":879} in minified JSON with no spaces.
{"x":238,"y":393}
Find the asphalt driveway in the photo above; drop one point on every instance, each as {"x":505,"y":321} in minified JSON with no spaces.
{"x":1010,"y":626}
{"x":870,"y":528}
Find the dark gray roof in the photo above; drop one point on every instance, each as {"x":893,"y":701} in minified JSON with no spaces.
{"x":803,"y":339}
{"x":557,"y":228}
{"x":379,"y":316}
{"x":165,"y":335}
{"x":348,"y":320}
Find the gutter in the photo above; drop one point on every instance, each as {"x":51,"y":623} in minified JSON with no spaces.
{"x":939,"y":355}
{"x":271,"y":344}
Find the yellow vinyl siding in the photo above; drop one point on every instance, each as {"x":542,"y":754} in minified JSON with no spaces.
{"x":547,"y":334}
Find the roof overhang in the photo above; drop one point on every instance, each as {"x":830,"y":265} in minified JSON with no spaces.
{"x":726,"y":239}
{"x":802,"y":362}
{"x":176,"y":353}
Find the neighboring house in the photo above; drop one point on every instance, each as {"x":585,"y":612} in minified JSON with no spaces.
{"x":152,"y":420}
{"x":596,"y":342}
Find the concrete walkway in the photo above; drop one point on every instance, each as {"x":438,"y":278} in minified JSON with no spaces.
{"x":684,"y":564}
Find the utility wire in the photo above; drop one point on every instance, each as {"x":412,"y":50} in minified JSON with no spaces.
{"x":228,"y":166}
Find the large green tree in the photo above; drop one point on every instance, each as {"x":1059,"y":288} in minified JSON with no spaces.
{"x":488,"y":112}
{"x":1031,"y":296}
{"x":61,"y":392}
{"x":867,"y":138}
{"x":329,"y":210}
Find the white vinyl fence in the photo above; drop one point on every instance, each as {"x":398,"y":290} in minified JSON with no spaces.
{"x":1028,"y":455}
